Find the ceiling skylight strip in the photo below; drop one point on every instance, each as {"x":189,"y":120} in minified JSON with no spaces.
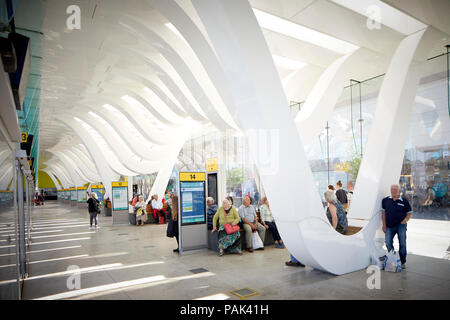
{"x":296,"y":31}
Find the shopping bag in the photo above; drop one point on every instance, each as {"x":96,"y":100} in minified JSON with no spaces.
{"x":392,"y":262}
{"x":256,"y":241}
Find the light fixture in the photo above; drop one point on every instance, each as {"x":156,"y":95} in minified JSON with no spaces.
{"x":296,"y":31}
{"x":383,"y":13}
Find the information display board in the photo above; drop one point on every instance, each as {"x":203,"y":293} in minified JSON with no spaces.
{"x":192,"y":198}
{"x":73,"y":194}
{"x":81,"y":195}
{"x":120,"y":195}
{"x":99,"y":190}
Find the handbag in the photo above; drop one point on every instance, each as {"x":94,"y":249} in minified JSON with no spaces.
{"x":229,"y":228}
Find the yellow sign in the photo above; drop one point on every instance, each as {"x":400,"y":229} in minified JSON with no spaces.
{"x":192,"y":176}
{"x":97,"y":186}
{"x":120,"y":184}
{"x":82,"y":188}
{"x":342,"y":166}
{"x":24,"y":137}
{"x":212,"y":164}
{"x":72,"y":189}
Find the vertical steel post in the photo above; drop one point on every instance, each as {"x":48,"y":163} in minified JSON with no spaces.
{"x":21,"y":214}
{"x":16,"y":224}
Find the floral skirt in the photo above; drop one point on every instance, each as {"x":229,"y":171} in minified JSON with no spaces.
{"x":229,"y":242}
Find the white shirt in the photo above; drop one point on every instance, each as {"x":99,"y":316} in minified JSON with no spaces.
{"x":157,"y":204}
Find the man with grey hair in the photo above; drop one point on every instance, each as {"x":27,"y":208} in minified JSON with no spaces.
{"x":395,"y":214}
{"x":249,"y":218}
{"x":210,"y":212}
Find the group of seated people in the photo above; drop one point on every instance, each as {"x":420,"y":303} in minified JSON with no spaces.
{"x":247,"y":219}
{"x":154,"y":206}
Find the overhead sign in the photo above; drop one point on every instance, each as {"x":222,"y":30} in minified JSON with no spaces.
{"x":212,"y":164}
{"x":24,"y":137}
{"x":120,"y":184}
{"x":192,"y":176}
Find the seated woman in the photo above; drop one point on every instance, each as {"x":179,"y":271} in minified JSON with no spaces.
{"x":269,"y":222}
{"x":335,"y":212}
{"x":139,"y":209}
{"x":230,"y":242}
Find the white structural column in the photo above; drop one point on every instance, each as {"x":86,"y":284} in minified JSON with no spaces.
{"x":319,"y":105}
{"x":74,"y":176}
{"x":60,"y":172}
{"x":165,"y":171}
{"x":261,"y":106}
{"x":51,"y":170}
{"x":103,"y":169}
{"x":57,"y":185}
{"x":181,"y":68}
{"x":187,"y":28}
{"x":382,"y":161}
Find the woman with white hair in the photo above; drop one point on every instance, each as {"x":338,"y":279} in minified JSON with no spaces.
{"x":93,"y":208}
{"x":139,"y":208}
{"x":229,"y":237}
{"x":335,"y":212}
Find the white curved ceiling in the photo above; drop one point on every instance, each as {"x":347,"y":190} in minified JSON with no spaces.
{"x":135,"y":84}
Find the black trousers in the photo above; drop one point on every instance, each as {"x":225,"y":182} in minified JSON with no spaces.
{"x":93,"y":216}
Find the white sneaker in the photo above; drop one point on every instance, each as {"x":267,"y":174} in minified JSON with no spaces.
{"x":97,"y":227}
{"x":403,"y":265}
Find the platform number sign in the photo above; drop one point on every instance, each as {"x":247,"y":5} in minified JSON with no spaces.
{"x":24,"y":137}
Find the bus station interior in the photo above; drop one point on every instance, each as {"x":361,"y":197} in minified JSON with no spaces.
{"x":266,"y":98}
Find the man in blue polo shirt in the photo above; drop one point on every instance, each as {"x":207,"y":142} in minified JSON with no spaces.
{"x":395,"y":213}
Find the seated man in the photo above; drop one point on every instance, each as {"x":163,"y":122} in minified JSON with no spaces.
{"x":249,"y":218}
{"x":210,"y":211}
{"x":157,"y":206}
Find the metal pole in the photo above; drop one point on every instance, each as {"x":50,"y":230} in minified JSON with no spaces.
{"x":16,"y":231}
{"x":448,"y":80}
{"x":21,"y":222}
{"x":328,"y":155}
{"x":360,"y":120}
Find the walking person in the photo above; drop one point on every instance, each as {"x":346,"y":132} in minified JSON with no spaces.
{"x":395,"y":214}
{"x":93,"y":208}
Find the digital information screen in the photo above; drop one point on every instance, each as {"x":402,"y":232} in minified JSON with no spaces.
{"x":73,"y":195}
{"x":120,"y":198}
{"x":192,"y":202}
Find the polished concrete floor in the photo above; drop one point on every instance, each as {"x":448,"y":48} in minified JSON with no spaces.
{"x":129,"y":262}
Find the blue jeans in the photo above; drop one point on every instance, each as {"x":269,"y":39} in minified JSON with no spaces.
{"x":400,"y":230}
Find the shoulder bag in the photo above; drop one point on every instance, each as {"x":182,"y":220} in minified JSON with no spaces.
{"x":229,"y":228}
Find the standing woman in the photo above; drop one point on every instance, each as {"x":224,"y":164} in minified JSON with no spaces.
{"x":227,"y":214}
{"x":172,"y":226}
{"x":93,"y":208}
{"x":269,"y":223}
